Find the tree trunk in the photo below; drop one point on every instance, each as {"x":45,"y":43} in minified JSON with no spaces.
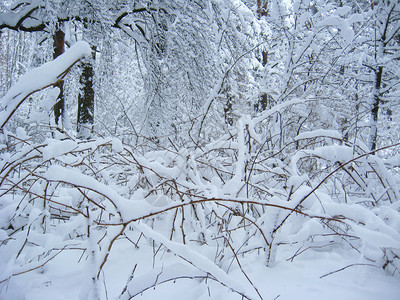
{"x":380,"y":45}
{"x":86,"y":100}
{"x":375,"y":108}
{"x":58,"y":46}
{"x":228,"y":110}
{"x":262,"y":102}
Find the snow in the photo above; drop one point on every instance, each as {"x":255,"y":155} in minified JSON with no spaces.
{"x":199,"y":261}
{"x":126,"y":208}
{"x":117,"y":145}
{"x":56,"y":148}
{"x":333,"y":153}
{"x":319,"y":133}
{"x":277,"y":108}
{"x":304,"y":17}
{"x":346,"y":30}
{"x":300,"y":279}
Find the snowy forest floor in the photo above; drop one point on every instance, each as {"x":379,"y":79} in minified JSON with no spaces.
{"x":65,"y":278}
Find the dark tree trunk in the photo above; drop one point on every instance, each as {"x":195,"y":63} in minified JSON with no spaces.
{"x":86,"y":100}
{"x":262,"y":10}
{"x":228,"y":109}
{"x":58,"y":46}
{"x":262,"y":103}
{"x":375,"y":107}
{"x":380,"y":45}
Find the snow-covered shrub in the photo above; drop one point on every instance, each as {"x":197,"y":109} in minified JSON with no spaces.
{"x":246,"y":195}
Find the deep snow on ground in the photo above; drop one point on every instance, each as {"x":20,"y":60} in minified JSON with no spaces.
{"x":64,"y":277}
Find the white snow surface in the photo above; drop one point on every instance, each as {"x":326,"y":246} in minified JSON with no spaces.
{"x":63,"y":278}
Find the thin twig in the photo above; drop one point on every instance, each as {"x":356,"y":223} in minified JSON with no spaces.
{"x":344,"y":268}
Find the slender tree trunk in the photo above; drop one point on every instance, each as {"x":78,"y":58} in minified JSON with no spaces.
{"x":228,"y":109}
{"x":262,"y":103}
{"x":86,"y":100}
{"x":375,"y":108}
{"x":381,"y":29}
{"x":58,"y":46}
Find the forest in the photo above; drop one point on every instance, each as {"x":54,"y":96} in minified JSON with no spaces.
{"x":199,"y":149}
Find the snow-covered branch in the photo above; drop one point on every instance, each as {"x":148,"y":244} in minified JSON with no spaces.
{"x":22,"y":20}
{"x":39,"y":78}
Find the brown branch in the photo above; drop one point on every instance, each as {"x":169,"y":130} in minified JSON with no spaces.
{"x":341,"y":269}
{"x":248,"y":219}
{"x":203,"y":200}
{"x":241,"y":269}
{"x":109,"y":249}
{"x":59,"y":78}
{"x":34,"y":268}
